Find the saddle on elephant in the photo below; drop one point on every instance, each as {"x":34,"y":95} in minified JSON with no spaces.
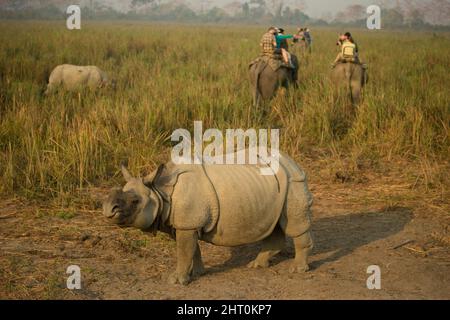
{"x":273,"y":61}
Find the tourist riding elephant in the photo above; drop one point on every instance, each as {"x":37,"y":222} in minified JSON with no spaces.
{"x":225,"y":205}
{"x":265,"y":81}
{"x":351,"y":77}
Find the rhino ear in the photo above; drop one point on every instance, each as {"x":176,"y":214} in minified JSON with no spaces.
{"x":168,"y":180}
{"x":151,"y":178}
{"x":126,"y":174}
{"x":164,"y":179}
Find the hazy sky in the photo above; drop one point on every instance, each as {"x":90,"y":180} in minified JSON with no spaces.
{"x":314,"y":8}
{"x":317,"y":8}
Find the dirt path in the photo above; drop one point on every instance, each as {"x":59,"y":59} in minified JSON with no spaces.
{"x":354,"y":227}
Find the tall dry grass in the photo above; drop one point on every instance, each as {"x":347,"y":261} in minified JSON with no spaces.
{"x":168,"y":76}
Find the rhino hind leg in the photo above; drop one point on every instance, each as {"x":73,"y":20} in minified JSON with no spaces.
{"x":271,"y":246}
{"x":303,"y":246}
{"x":187,"y":246}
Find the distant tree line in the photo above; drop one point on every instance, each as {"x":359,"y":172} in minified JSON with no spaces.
{"x":431,"y":14}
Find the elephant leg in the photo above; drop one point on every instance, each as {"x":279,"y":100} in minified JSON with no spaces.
{"x":294,"y":75}
{"x":303,"y":246}
{"x":271,"y":246}
{"x":186,"y":248}
{"x":198,"y":268}
{"x":295,"y":82}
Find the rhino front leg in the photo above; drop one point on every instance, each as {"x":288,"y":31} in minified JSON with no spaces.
{"x":303,"y":246}
{"x":198,"y":267}
{"x":186,"y":249}
{"x":270,"y":247}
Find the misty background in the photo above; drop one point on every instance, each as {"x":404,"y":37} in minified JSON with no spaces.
{"x":433,"y":14}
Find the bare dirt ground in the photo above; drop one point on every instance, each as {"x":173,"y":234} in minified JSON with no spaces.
{"x":380,"y":222}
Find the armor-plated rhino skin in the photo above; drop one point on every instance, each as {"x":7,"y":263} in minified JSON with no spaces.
{"x":71,"y":77}
{"x":226,"y":205}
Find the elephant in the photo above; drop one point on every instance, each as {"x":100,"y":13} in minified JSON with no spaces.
{"x":265,"y":81}
{"x":352,"y":77}
{"x":222,"y":204}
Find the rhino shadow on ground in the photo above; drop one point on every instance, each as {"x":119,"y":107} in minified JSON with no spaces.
{"x":337,"y":235}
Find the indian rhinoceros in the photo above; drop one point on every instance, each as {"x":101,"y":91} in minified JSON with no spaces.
{"x":226,"y":205}
{"x":72,"y":77}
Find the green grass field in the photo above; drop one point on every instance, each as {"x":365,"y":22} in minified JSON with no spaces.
{"x":170,"y":75}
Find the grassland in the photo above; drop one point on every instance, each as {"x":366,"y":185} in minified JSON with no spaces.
{"x":379,"y":175}
{"x":170,"y":75}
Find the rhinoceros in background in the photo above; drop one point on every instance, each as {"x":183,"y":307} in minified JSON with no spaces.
{"x":226,"y":205}
{"x":72,"y":77}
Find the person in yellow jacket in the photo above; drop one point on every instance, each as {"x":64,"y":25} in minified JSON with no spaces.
{"x":349,"y":50}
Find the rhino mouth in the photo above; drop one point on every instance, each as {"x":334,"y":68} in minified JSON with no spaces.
{"x":121,"y":207}
{"x":115,"y":211}
{"x":112,"y":212}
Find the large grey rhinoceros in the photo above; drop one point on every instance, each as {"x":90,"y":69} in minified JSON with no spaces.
{"x":226,"y":205}
{"x":71,"y":77}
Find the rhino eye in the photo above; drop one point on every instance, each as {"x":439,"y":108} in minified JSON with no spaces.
{"x":135,"y":202}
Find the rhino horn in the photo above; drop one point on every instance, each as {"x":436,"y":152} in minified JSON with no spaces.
{"x":126,"y":174}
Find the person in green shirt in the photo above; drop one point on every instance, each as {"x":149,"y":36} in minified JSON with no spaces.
{"x":281,"y":44}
